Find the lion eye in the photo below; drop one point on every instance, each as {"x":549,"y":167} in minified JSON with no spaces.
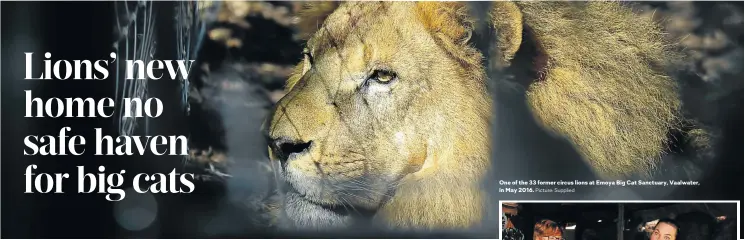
{"x":383,"y":76}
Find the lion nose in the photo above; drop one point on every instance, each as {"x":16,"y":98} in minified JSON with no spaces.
{"x":285,"y":148}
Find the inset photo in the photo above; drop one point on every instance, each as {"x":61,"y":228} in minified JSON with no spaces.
{"x":606,"y":220}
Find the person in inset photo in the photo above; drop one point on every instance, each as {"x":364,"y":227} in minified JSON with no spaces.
{"x":666,"y":229}
{"x":548,"y":230}
{"x":509,"y":231}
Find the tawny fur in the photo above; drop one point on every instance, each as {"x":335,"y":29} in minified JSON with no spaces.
{"x":604,"y":87}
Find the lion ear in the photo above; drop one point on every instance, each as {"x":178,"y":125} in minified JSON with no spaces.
{"x":507,"y":20}
{"x":451,"y":26}
{"x":452,"y":21}
{"x":447,"y":19}
{"x":515,"y":35}
{"x":312,"y":15}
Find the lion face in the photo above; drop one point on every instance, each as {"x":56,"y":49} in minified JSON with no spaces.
{"x":370,"y":99}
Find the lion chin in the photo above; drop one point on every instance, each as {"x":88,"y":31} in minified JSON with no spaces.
{"x":387,"y":116}
{"x":310,"y":205}
{"x":305,"y":214}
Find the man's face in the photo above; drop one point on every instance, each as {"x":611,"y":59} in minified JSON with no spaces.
{"x":664,"y":231}
{"x":552,"y":238}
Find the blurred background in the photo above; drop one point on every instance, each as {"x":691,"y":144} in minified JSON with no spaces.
{"x":244,"y":51}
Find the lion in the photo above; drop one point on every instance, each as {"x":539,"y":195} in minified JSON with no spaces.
{"x":387,"y":116}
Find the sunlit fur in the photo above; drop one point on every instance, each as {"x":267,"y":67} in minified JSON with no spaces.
{"x":605,"y":85}
{"x":419,"y":147}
